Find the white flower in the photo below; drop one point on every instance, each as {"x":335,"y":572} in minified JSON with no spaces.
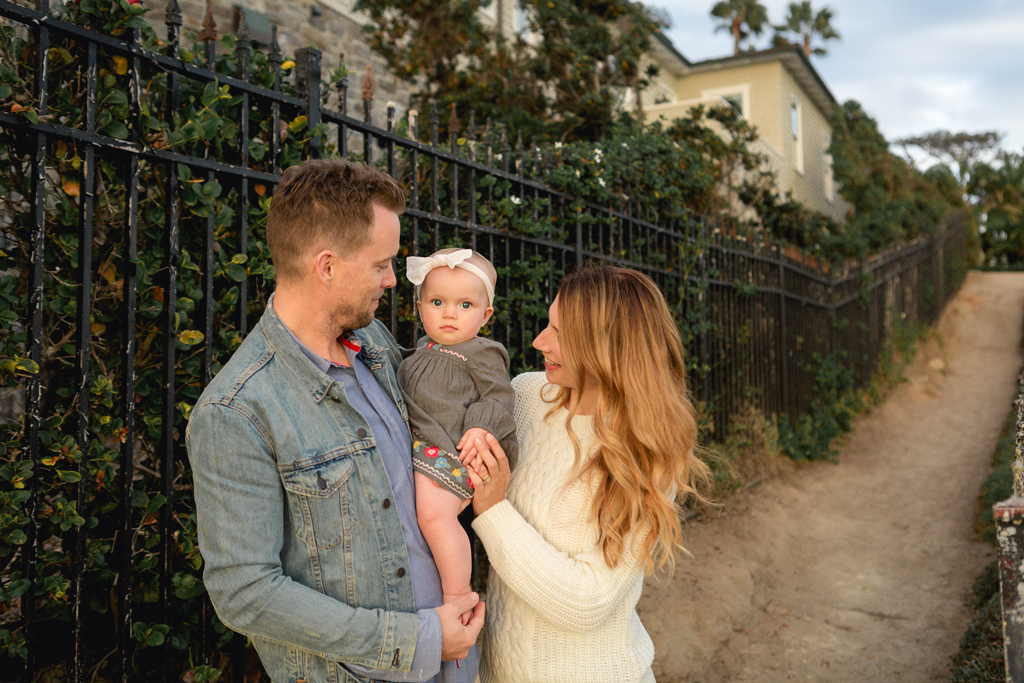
{"x":625,"y":145}
{"x":577,"y":173}
{"x":497,"y":157}
{"x":516,"y":200}
{"x":600,"y":181}
{"x":558,"y":145}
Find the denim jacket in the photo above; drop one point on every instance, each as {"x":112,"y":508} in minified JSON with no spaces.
{"x":304,"y":552}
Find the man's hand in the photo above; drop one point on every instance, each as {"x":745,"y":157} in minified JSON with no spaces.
{"x":456,"y":637}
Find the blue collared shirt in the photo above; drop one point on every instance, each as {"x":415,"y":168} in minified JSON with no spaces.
{"x":392,"y":436}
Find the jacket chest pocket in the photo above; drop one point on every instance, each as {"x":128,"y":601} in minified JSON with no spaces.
{"x":319,"y":500}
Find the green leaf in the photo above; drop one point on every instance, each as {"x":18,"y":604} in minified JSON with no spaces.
{"x":212,"y":189}
{"x":69,"y":476}
{"x":8,"y":316}
{"x":27,"y":365}
{"x":236,"y":272}
{"x":210,"y":127}
{"x":31,"y":115}
{"x":115,"y":97}
{"x":257,"y":149}
{"x":239,"y":258}
{"x":18,"y":587}
{"x":5,"y":91}
{"x":116,"y":129}
{"x":191,"y":337}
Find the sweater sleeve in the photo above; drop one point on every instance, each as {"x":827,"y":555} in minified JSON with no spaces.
{"x":574,"y":592}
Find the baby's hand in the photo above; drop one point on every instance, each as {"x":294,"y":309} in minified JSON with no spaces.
{"x":467,"y":446}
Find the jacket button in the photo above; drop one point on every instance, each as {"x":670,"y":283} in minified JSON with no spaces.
{"x":361,"y":433}
{"x":321,"y":483}
{"x":401,"y":572}
{"x":386,"y":503}
{"x":336,"y":398}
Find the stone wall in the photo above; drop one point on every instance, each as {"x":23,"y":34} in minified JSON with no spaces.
{"x":302,"y":23}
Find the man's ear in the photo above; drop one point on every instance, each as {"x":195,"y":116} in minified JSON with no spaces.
{"x":325,"y":264}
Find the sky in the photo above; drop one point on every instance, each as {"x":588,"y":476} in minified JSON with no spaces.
{"x":915,"y":66}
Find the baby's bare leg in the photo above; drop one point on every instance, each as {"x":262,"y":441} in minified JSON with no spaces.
{"x":437,"y":511}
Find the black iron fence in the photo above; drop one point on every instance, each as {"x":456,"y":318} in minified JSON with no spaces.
{"x":134,"y":178}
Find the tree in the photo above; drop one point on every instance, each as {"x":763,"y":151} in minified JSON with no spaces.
{"x":741,"y":18}
{"x":427,"y":39}
{"x":961,"y":150}
{"x":564,"y":78}
{"x":891,"y":200}
{"x":997,"y":190}
{"x":805,"y":23}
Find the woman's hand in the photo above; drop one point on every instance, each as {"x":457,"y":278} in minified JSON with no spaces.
{"x":490,"y":479}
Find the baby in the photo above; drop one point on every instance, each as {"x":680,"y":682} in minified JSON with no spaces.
{"x":456,"y":388}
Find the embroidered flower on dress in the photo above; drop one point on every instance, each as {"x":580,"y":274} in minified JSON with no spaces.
{"x":457,"y":473}
{"x":441,"y":463}
{"x":432,"y":452}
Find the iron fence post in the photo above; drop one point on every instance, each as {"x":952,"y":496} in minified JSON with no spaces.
{"x":307,"y":82}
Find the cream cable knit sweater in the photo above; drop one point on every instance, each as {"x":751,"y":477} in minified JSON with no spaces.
{"x":555,"y":611}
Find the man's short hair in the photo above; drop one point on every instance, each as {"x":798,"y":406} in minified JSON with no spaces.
{"x":326,"y":204}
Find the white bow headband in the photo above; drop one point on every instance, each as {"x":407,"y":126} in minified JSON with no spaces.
{"x":417,"y":267}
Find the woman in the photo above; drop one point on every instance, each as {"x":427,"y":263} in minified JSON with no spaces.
{"x":607,"y":436}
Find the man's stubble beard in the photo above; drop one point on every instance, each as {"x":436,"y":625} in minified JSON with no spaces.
{"x":345,"y":318}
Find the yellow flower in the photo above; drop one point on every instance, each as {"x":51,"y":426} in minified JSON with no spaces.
{"x":457,"y":473}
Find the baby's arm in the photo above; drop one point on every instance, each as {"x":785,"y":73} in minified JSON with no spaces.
{"x":492,"y":412}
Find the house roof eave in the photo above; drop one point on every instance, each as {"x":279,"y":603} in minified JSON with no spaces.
{"x":792,"y":58}
{"x":667,"y":54}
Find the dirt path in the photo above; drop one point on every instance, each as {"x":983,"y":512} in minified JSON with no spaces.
{"x":859,"y":571}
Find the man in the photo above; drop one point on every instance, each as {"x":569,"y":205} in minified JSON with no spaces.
{"x":302,"y":458}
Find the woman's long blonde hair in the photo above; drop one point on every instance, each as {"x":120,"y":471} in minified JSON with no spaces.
{"x":617,"y":331}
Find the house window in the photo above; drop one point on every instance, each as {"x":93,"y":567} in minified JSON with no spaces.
{"x":735,"y":101}
{"x":736,"y":96}
{"x":830,"y":183}
{"x":796,"y":126}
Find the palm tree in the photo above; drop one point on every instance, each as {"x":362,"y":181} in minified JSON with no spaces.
{"x":741,"y":18}
{"x":804,"y":22}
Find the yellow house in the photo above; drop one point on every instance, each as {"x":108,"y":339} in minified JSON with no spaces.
{"x":779,"y":92}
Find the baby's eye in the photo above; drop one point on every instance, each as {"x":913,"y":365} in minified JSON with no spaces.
{"x":466,"y":304}
{"x":436,"y":302}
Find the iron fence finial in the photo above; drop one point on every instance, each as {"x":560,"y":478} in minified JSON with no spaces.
{"x":209,"y":25}
{"x":453,"y":122}
{"x":172,"y":15}
{"x":368,"y":85}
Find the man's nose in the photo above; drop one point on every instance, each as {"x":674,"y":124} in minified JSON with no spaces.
{"x":389,"y":279}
